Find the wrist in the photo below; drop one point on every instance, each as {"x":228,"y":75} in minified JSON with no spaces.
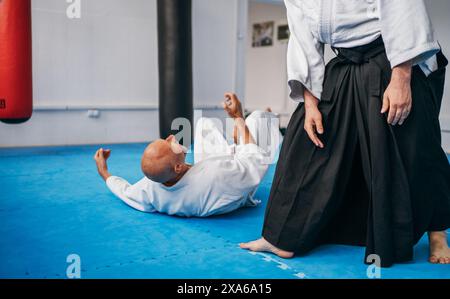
{"x":239,"y":114}
{"x":103,"y":171}
{"x":239,"y":120}
{"x":311,"y":102}
{"x":402,"y":72}
{"x":105,"y":175}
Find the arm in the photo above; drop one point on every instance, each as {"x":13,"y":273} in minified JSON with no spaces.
{"x":306,"y":69}
{"x":132,"y":195}
{"x":242,"y":129}
{"x":233,"y":107}
{"x":100,"y":157}
{"x":409,"y":40}
{"x":235,"y":135}
{"x":305,"y":55}
{"x":250,"y":162}
{"x":407,"y":31}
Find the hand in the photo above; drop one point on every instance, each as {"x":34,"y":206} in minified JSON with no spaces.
{"x":233,"y":106}
{"x":313,"y":119}
{"x":100,"y":158}
{"x":397,"y":98}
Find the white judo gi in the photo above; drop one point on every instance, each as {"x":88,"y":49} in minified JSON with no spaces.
{"x":223,"y":178}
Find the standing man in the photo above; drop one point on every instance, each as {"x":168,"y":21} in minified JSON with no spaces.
{"x":361,"y":162}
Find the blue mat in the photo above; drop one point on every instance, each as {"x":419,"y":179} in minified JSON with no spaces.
{"x":52,"y":204}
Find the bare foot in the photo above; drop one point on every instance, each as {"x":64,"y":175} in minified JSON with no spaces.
{"x":262,"y":245}
{"x":439,"y":250}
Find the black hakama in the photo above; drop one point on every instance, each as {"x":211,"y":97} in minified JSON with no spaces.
{"x":373,"y":185}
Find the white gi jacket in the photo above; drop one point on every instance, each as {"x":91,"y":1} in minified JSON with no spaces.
{"x":404,"y":25}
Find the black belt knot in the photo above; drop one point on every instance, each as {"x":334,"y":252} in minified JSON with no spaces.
{"x":360,"y":54}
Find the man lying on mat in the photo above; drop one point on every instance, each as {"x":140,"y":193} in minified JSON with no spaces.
{"x":223,"y":178}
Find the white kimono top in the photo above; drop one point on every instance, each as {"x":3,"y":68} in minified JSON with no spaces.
{"x":404,"y":25}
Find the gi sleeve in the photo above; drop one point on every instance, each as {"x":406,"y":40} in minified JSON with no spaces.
{"x":305,"y":56}
{"x":407,"y":31}
{"x":255,"y":162}
{"x":243,"y":173}
{"x":133,"y":195}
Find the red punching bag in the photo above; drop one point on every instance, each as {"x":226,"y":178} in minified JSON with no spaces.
{"x":16,"y":87}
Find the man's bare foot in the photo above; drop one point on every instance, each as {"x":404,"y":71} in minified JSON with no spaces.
{"x":262,"y":245}
{"x":439,"y":250}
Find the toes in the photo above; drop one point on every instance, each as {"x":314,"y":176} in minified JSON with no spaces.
{"x":439,"y":260}
{"x":433,"y":259}
{"x":253,"y":246}
{"x":245,"y":245}
{"x":262,"y":245}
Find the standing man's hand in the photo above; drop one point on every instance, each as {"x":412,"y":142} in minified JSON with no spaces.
{"x":233,"y":106}
{"x":313,"y":119}
{"x":100,"y":157}
{"x":397,"y":98}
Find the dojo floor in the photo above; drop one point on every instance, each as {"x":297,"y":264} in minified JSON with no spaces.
{"x":52,"y":204}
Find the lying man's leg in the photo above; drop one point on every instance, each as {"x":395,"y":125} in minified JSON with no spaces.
{"x":265,"y":128}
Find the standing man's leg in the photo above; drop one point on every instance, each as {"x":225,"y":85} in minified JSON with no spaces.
{"x":425,"y":161}
{"x":310,"y":182}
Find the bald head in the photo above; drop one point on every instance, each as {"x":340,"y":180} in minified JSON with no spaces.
{"x":162,"y":160}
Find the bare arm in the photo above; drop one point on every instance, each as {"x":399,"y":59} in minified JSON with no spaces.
{"x":233,"y":107}
{"x":100,"y":158}
{"x":241,"y":127}
{"x":235,"y":135}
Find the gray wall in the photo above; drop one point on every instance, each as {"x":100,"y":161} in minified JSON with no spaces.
{"x":107,"y":60}
{"x":266,"y":73}
{"x":439,"y":11}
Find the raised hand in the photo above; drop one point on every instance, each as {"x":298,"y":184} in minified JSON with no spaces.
{"x":232,"y":106}
{"x":100,"y":158}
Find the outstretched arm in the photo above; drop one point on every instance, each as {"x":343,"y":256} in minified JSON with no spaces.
{"x":132,"y":195}
{"x":233,"y":107}
{"x":100,"y":158}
